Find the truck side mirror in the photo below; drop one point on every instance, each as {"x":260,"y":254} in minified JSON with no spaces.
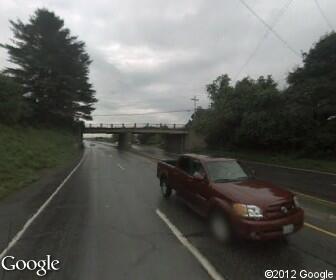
{"x":199,"y":177}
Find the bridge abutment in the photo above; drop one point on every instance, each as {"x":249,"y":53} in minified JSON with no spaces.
{"x":124,"y":141}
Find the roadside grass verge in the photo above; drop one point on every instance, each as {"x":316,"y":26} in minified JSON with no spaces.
{"x":288,"y":160}
{"x":26,"y":152}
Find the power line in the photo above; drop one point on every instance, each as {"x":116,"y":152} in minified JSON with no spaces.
{"x":195,"y":100}
{"x":251,"y":56}
{"x":323,"y":15}
{"x":141,"y":114}
{"x":271,"y":29}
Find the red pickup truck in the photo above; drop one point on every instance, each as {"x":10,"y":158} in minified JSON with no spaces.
{"x":234,"y":202}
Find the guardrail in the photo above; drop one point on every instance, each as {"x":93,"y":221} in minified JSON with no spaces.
{"x":136,"y":125}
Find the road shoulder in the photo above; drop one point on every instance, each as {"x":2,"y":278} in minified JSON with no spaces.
{"x":18,"y":207}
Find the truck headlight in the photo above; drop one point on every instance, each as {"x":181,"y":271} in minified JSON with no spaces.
{"x":296,"y":201}
{"x":247,"y":211}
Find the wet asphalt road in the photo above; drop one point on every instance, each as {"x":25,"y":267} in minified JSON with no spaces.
{"x":103,"y":225}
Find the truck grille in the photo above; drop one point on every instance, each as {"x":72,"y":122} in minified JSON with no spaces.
{"x":280,"y":210}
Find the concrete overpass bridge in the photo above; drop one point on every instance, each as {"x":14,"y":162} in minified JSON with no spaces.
{"x":175,"y":135}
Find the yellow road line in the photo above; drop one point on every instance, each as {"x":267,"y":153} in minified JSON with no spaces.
{"x":332,"y":234}
{"x":330,"y":203}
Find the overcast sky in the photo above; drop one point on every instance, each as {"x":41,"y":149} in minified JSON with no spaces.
{"x":154,"y":55}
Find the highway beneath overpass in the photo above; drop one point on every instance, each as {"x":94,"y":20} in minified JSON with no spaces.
{"x":104,"y":224}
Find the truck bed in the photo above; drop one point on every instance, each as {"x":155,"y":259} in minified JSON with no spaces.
{"x":164,"y":167}
{"x":172,"y":162}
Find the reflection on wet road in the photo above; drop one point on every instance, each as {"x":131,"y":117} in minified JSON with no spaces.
{"x":103,"y":225}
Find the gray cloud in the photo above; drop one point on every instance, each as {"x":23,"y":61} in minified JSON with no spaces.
{"x":154,"y":55}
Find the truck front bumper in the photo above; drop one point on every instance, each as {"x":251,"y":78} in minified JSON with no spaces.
{"x":269,"y":229}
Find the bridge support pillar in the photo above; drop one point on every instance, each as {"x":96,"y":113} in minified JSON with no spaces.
{"x":124,"y":141}
{"x":175,"y":143}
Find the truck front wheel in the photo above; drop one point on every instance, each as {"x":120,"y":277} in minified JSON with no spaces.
{"x":220,"y":227}
{"x":165,"y":189}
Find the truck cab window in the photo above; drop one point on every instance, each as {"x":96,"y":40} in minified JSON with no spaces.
{"x":197,"y":168}
{"x":185,"y":164}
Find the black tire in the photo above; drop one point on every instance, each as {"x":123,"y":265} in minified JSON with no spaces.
{"x":165,"y":189}
{"x":220,"y":227}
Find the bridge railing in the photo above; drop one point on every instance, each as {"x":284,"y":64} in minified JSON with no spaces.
{"x":135,"y":125}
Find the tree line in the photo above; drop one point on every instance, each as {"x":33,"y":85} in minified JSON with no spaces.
{"x":256,"y":114}
{"x":48,"y":78}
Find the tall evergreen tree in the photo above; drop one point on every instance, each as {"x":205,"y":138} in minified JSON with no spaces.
{"x":53,"y":68}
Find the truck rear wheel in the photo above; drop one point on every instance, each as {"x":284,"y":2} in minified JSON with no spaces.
{"x":165,"y":189}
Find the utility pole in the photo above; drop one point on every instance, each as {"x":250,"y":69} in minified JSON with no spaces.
{"x":195,"y":99}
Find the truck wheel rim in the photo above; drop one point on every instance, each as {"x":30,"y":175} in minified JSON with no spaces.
{"x":219,"y":228}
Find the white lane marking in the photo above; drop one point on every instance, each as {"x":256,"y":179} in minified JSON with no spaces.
{"x":19,"y":234}
{"x":122,"y":168}
{"x":214,"y":274}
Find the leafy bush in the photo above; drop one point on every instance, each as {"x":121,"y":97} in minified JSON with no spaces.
{"x":256,"y":114}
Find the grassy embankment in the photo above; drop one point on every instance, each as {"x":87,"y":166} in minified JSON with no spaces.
{"x":288,"y":160}
{"x":26,"y":152}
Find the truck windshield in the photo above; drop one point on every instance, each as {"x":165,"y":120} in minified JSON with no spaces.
{"x":225,"y":171}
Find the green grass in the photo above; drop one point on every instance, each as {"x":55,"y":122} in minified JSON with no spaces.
{"x":289,"y":160}
{"x":26,"y":152}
